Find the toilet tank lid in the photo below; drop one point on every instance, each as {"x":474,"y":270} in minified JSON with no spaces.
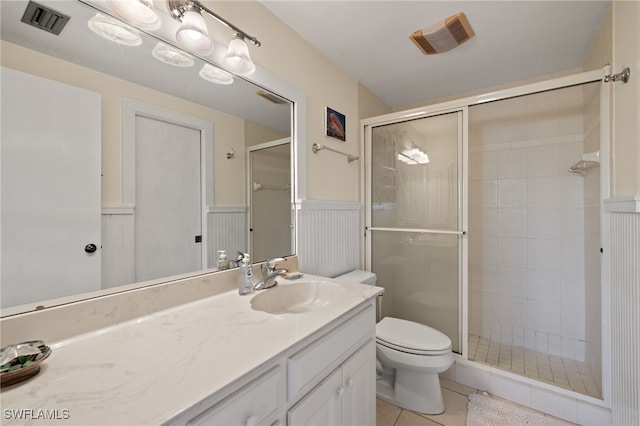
{"x":358,"y":276}
{"x":411,"y":335}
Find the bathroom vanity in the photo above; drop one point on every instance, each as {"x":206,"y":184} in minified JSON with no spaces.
{"x":217,"y":360}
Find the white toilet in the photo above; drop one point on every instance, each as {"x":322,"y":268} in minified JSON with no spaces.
{"x":410,"y":356}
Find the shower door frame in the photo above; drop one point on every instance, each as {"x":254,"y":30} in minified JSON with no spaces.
{"x":461,"y":232}
{"x":462,"y":104}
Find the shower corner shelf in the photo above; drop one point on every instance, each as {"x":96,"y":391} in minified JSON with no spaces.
{"x":588,"y":161}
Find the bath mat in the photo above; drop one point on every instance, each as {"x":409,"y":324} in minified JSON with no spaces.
{"x":485,"y":410}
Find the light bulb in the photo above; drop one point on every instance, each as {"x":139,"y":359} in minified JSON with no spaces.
{"x":140,"y":13}
{"x":193,"y":35}
{"x":237,"y":58}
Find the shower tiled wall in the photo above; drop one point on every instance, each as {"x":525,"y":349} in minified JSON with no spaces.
{"x":526,"y":223}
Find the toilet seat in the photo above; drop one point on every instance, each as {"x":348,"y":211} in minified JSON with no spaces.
{"x":411,"y":337}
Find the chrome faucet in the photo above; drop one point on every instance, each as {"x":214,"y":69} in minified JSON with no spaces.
{"x":269,"y":274}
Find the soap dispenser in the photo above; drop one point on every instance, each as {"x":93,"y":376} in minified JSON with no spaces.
{"x":223,"y":262}
{"x":245,"y":280}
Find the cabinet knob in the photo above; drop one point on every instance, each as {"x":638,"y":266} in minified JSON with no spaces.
{"x":252,"y":421}
{"x":350,"y":382}
{"x":341,"y":391}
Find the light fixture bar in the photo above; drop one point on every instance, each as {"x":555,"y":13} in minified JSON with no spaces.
{"x":180,"y":7}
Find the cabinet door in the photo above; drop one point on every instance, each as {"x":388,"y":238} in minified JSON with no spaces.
{"x":322,"y":406}
{"x":359,"y":381}
{"x":255,"y":404}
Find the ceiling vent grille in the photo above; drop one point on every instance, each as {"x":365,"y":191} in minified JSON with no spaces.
{"x":444,"y":35}
{"x":44,"y":18}
{"x":271,"y":97}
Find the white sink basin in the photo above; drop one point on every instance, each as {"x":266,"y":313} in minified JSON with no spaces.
{"x":298,"y":298}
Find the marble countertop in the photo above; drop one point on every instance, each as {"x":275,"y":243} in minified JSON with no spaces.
{"x":150,"y":369}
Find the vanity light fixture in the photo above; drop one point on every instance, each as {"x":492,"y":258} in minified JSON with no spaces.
{"x":140,"y":13}
{"x":171,"y":55}
{"x":215,"y":75}
{"x":193,"y":34}
{"x":237,"y":58}
{"x":189,"y":12}
{"x":113,"y":30}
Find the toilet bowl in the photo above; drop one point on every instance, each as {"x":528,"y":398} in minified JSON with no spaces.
{"x":409,"y":357}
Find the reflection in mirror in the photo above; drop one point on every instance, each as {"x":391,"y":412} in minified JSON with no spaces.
{"x":114,"y":163}
{"x":270,"y":199}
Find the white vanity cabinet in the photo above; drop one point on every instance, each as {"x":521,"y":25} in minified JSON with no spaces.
{"x":346,"y":397}
{"x":332,"y":380}
{"x":327,"y":379}
{"x":258,"y":403}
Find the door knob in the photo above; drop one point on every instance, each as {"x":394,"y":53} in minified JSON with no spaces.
{"x":90,"y":248}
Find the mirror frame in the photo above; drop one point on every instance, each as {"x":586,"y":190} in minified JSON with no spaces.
{"x":262,"y":79}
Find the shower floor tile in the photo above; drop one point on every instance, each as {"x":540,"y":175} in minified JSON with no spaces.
{"x":563,"y":372}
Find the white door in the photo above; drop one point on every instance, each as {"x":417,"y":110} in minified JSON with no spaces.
{"x":51,"y":197}
{"x":167,"y":199}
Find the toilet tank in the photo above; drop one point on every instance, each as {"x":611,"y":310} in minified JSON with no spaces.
{"x":358,"y":276}
{"x":363,"y":277}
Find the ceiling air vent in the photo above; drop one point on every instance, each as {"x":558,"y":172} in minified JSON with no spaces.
{"x":444,"y":35}
{"x":44,"y":18}
{"x":271,"y":97}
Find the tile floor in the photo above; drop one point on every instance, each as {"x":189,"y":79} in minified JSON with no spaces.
{"x":456,"y":400}
{"x":563,"y":372}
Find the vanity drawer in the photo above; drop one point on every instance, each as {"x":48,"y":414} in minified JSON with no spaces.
{"x":257,"y":403}
{"x":307,"y":367}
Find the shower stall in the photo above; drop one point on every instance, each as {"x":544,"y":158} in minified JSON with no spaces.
{"x":483,"y":221}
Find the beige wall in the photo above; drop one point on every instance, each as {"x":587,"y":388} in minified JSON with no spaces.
{"x":626,"y":99}
{"x":255,"y":133}
{"x":230,"y":129}
{"x":369,"y":105}
{"x":618,"y":43}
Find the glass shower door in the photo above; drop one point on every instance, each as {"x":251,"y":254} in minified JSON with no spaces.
{"x":414,"y":219}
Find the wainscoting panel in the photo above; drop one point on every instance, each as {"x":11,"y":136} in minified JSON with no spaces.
{"x":328,"y":237}
{"x":118,"y":263}
{"x":625,"y":321}
{"x":227,"y":231}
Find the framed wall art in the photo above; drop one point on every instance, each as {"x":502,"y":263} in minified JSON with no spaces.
{"x":335,"y":124}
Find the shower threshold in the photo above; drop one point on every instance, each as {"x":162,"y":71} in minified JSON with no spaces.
{"x":562,"y":372}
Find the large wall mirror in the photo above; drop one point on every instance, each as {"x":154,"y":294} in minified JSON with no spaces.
{"x":120,"y":168}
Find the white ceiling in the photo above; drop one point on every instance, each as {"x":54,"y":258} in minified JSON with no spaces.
{"x":514,"y":40}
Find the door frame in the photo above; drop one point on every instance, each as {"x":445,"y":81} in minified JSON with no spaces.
{"x":132,"y":109}
{"x":249,"y":184}
{"x":462,"y":196}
